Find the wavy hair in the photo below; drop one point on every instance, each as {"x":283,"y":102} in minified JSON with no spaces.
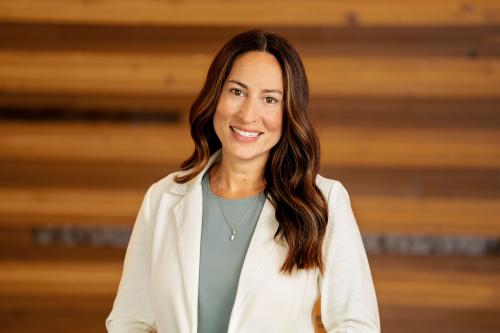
{"x":293,"y":163}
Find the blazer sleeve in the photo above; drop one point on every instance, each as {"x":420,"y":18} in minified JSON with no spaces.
{"x":348,"y":299}
{"x":132,"y":311}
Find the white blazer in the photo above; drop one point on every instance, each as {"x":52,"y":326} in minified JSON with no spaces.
{"x":158,"y":290}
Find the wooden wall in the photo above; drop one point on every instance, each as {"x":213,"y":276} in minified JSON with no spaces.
{"x":93,"y":103}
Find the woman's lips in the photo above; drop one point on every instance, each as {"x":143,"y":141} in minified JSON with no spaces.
{"x":245,"y":135}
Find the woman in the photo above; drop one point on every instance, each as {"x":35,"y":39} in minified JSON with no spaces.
{"x":247,"y":235}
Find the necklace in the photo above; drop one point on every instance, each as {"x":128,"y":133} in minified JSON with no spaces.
{"x":233,"y":228}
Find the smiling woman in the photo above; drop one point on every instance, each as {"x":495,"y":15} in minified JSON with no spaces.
{"x":247,"y":235}
{"x":249,"y":113}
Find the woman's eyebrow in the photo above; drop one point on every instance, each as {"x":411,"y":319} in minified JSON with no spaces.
{"x":273,"y":91}
{"x":265,"y":90}
{"x":238,"y":83}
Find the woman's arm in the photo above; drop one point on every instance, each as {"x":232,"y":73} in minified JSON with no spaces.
{"x":132,"y":311}
{"x":348,"y":300}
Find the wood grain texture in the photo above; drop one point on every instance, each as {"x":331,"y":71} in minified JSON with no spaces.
{"x":257,"y":13}
{"x":427,"y":287}
{"x":25,"y":208}
{"x":170,"y":144}
{"x":459,"y":41}
{"x":75,"y":73}
{"x":404,"y":94}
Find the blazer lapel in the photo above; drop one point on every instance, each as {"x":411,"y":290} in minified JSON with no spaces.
{"x":188,"y":217}
{"x":188,"y":214}
{"x":261,"y":247}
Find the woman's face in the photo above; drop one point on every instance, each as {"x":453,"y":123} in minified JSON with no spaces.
{"x":249,"y":115}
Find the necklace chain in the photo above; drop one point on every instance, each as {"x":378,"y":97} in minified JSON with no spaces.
{"x":234,"y":229}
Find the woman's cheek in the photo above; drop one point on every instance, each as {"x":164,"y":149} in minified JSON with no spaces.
{"x":274,"y":121}
{"x":228,"y":106}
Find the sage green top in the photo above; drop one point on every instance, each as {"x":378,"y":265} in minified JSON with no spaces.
{"x":221,"y":259}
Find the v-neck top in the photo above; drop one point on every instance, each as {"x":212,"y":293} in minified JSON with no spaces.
{"x":221,"y":259}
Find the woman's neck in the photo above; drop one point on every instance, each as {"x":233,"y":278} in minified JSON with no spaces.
{"x":233,"y":180}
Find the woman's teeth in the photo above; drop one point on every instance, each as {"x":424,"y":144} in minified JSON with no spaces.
{"x":245,"y":134}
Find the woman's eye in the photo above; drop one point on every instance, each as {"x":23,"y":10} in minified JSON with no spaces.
{"x":236,"y":92}
{"x":271,"y":100}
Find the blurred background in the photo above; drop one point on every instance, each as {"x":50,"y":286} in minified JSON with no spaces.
{"x":94,"y":98}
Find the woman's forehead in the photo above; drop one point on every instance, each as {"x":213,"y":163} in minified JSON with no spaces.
{"x":257,"y":69}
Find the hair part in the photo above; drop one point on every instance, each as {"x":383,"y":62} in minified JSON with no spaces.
{"x":293,"y":163}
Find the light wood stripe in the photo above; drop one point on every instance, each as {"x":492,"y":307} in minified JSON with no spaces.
{"x":181,"y":75}
{"x":438,"y":283}
{"x":59,"y":278}
{"x":363,"y":147}
{"x":256,"y":13}
{"x":428,"y":215}
{"x":27,"y":207}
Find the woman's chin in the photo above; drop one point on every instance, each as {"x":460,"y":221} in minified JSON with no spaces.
{"x":245,"y":154}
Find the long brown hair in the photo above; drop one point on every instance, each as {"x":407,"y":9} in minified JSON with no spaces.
{"x":293,"y":163}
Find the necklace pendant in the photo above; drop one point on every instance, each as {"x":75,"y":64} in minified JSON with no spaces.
{"x":232,"y":235}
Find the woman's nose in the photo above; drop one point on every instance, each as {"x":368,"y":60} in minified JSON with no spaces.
{"x":248,"y":111}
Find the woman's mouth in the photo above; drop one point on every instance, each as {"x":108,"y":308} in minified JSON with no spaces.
{"x":245,"y":134}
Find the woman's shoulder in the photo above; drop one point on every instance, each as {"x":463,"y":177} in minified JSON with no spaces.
{"x":330,"y":187}
{"x":166,"y":184}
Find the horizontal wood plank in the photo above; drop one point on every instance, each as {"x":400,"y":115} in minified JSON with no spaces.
{"x":364,"y":147}
{"x":428,"y":215}
{"x":359,"y":181}
{"x":346,"y":111}
{"x":458,"y":41}
{"x":50,"y":313}
{"x":467,"y":285}
{"x":61,"y":278}
{"x":257,"y":13}
{"x":25,"y":208}
{"x":77,"y":73}
{"x":426,"y":288}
